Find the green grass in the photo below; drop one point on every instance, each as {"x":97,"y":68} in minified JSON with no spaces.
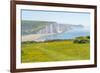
{"x":54,"y":51}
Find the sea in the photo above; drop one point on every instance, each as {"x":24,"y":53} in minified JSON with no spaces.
{"x":71,"y":34}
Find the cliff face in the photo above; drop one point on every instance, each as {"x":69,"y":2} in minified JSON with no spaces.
{"x":57,"y":28}
{"x":45,"y":27}
{"x":53,"y":28}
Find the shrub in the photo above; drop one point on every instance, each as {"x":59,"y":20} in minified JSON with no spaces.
{"x":81,"y":39}
{"x":88,"y":37}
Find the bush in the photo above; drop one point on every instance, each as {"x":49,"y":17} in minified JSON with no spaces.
{"x":81,"y":39}
{"x":88,"y":37}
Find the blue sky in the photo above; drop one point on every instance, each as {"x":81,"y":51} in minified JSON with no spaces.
{"x":58,"y":16}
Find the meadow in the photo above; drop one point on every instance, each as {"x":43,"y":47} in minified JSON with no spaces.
{"x":64,"y":50}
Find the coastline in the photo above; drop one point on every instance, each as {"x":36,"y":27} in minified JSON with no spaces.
{"x":33,"y":37}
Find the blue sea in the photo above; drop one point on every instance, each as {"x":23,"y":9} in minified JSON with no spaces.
{"x":71,"y":34}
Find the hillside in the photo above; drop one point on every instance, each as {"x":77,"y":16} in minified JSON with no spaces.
{"x":45,"y":27}
{"x":32,"y":27}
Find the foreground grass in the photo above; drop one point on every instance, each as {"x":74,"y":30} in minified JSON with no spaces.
{"x":54,"y":51}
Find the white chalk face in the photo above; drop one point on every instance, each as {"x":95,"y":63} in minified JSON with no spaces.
{"x":54,"y":36}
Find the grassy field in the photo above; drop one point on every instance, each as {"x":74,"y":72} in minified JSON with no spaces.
{"x":54,"y":51}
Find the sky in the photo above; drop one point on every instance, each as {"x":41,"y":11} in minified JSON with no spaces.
{"x":65,"y":17}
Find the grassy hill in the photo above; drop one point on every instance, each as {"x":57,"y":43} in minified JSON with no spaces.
{"x":54,"y":51}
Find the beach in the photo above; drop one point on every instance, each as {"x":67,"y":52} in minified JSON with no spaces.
{"x":33,"y":37}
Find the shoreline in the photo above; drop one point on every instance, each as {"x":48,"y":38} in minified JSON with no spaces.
{"x":33,"y":37}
